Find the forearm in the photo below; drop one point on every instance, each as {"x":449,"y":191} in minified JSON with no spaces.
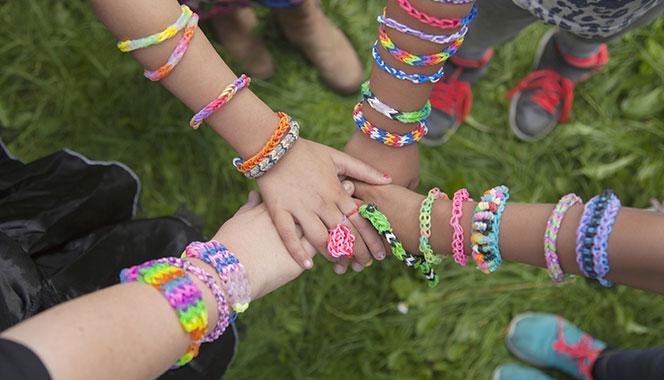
{"x":245,"y":122}
{"x":634,"y":254}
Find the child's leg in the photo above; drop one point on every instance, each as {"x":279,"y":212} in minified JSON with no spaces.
{"x":644,"y":364}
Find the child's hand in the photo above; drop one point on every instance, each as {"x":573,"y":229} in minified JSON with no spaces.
{"x":305,"y":189}
{"x":251,"y":235}
{"x":402,"y":164}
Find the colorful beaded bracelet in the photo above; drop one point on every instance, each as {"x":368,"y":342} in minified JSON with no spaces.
{"x":601,"y":241}
{"x":417,"y":60}
{"x":453,"y":1}
{"x":391,"y":113}
{"x":585,"y":234}
{"x":551,"y":236}
{"x":460,"y":196}
{"x":425,"y":224}
{"x":230,"y":270}
{"x":435,"y":38}
{"x":394,"y":140}
{"x":379,"y":221}
{"x":277,"y":153}
{"x":221,"y":100}
{"x":170,"y":31}
{"x":183,"y":296}
{"x":208,"y":280}
{"x":434,"y":21}
{"x":400,"y":74}
{"x":485,"y":228}
{"x":282,"y":129}
{"x":181,"y":48}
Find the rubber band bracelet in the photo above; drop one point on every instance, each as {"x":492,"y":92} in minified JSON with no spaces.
{"x":394,"y":140}
{"x":226,"y":95}
{"x":601,"y":241}
{"x":435,"y":38}
{"x":551,"y":236}
{"x":391,"y":113}
{"x":459,"y":197}
{"x":434,"y":21}
{"x":453,"y":1}
{"x":585,"y":234}
{"x":425,"y":225}
{"x":208,"y":280}
{"x":485,"y":229}
{"x":417,"y":60}
{"x":181,"y":48}
{"x":400,"y":74}
{"x":282,"y":128}
{"x":168,"y":33}
{"x":228,"y":267}
{"x":379,"y":221}
{"x":181,"y":293}
{"x":277,"y":153}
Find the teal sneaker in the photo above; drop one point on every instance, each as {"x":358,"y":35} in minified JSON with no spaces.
{"x":517,"y":372}
{"x":547,"y":340}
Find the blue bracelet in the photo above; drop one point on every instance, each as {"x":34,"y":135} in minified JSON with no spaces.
{"x":399,"y":74}
{"x":601,"y":240}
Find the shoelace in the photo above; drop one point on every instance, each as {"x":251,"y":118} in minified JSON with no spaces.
{"x":552,"y":90}
{"x":453,"y":96}
{"x":583,"y":352}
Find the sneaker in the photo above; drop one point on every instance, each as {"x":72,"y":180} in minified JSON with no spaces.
{"x":549,"y":341}
{"x":451,"y":97}
{"x":544,"y":98}
{"x":518,"y":372}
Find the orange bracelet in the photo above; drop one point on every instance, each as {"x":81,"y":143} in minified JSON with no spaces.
{"x":282,"y":129}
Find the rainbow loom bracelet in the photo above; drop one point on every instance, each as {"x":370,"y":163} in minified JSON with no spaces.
{"x":435,"y":38}
{"x":394,"y":140}
{"x":181,"y":293}
{"x":391,"y":113}
{"x":221,"y":100}
{"x":551,"y":236}
{"x":208,"y":280}
{"x":284,"y":126}
{"x":277,"y":153}
{"x":425,"y":224}
{"x":417,"y":60}
{"x":434,"y":21}
{"x":453,"y":1}
{"x":460,"y":196}
{"x":485,"y":228}
{"x":181,"y":48}
{"x":400,"y":74}
{"x":230,"y":270}
{"x":585,"y":234}
{"x":601,"y":241}
{"x":170,"y":31}
{"x":379,"y":221}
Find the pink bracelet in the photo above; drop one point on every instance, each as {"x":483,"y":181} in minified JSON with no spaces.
{"x":428,"y":19}
{"x":551,"y":236}
{"x":178,"y":52}
{"x":221,"y":100}
{"x":460,"y":196}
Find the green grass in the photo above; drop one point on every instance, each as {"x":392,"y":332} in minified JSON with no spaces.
{"x":63,"y":84}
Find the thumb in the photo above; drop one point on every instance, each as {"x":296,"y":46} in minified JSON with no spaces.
{"x":349,"y":186}
{"x":352,"y":167}
{"x":253,"y":200}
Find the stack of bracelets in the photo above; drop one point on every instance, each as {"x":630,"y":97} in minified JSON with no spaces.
{"x":592,"y":236}
{"x":287,"y":131}
{"x":419,"y":117}
{"x":171,"y":277}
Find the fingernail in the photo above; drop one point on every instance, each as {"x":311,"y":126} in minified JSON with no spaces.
{"x":357,"y":267}
{"x":387,"y":177}
{"x":339,"y":269}
{"x":381,"y":255}
{"x":308,"y":264}
{"x":347,"y":186}
{"x":369,"y":264}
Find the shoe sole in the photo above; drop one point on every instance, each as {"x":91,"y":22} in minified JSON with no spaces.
{"x":446,"y":137}
{"x":512,"y":112}
{"x":510,"y":332}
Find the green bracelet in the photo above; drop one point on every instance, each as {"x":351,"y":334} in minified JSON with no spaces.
{"x":402,"y":116}
{"x":379,"y":221}
{"x":425,"y":225}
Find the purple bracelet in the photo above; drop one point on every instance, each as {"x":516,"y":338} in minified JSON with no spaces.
{"x":551,"y":236}
{"x":453,"y":1}
{"x":601,"y":240}
{"x":208,"y":280}
{"x":583,"y":242}
{"x":230,"y":270}
{"x":438,"y":39}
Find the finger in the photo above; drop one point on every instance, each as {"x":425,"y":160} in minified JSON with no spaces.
{"x":314,"y":231}
{"x":285,"y":225}
{"x":349,"y":187}
{"x":308,"y":248}
{"x":253,"y":200}
{"x":358,"y":267}
{"x":341,"y":266}
{"x":371,"y":238}
{"x":354,"y":168}
{"x":334,"y":217}
{"x":361,"y":190}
